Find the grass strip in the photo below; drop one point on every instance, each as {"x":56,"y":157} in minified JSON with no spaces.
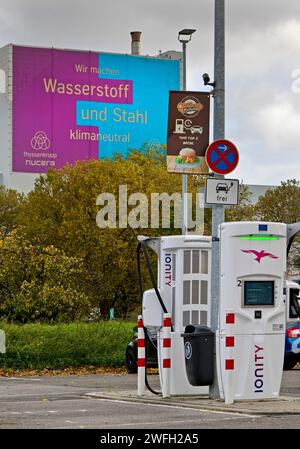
{"x":44,"y":346}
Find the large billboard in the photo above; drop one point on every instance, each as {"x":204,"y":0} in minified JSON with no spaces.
{"x":79,"y":105}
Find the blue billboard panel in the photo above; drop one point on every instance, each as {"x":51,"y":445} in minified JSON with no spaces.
{"x":130,"y":105}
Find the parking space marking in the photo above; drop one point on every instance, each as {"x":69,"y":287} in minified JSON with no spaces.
{"x":153,"y":423}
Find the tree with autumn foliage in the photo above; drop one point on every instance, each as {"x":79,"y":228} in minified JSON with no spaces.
{"x":10,"y":202}
{"x":61,"y":211}
{"x":40,"y":282}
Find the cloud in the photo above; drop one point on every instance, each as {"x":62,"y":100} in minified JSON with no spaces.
{"x":272,"y":52}
{"x":279,"y":123}
{"x":244,"y":18}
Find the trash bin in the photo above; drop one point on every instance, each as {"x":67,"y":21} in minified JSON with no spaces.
{"x":199,"y":354}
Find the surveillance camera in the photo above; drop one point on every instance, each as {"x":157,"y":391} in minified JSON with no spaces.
{"x":206,"y":78}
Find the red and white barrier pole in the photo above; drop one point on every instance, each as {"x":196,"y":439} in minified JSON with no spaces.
{"x":141,"y":362}
{"x":229,"y":360}
{"x":166,"y":355}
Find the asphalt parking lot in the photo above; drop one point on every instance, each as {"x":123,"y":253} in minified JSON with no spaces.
{"x":65,"y":402}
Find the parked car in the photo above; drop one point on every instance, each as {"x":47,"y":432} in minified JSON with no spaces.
{"x":292,"y":346}
{"x":131,"y":353}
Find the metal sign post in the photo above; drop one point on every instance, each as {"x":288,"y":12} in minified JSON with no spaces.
{"x":218,"y":214}
{"x":184,"y":226}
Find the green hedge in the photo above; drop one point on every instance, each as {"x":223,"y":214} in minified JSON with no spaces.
{"x":39,"y":346}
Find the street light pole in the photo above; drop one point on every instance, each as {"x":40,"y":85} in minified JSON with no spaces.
{"x":184,"y":36}
{"x":183,"y":65}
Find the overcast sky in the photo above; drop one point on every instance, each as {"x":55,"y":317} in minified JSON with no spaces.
{"x":262,"y":60}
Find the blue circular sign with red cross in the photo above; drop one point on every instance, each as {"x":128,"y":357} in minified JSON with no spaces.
{"x":222,"y":156}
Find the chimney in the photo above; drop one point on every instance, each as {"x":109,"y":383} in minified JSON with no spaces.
{"x":136,"y":42}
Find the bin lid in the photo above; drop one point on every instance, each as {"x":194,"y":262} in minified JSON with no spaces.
{"x":196,"y":331}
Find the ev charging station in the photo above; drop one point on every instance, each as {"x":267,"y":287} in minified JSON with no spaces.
{"x":184,"y":263}
{"x":252,"y":319}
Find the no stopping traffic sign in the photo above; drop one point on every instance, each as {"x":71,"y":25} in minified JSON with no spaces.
{"x":222,"y":156}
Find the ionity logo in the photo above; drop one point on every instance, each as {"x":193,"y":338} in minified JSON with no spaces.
{"x":259,"y":254}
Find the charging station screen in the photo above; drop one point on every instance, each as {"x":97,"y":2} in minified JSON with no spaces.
{"x":258,"y":293}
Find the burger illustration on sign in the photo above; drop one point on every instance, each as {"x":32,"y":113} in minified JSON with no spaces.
{"x":189,"y":106}
{"x":187,"y":158}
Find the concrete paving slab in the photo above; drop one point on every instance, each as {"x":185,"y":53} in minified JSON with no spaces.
{"x":284,"y":405}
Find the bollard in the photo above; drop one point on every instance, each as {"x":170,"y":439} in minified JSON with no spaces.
{"x":141,"y":362}
{"x":229,"y":360}
{"x":166,"y":355}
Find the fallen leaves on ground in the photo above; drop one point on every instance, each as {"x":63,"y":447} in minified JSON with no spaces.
{"x":63,"y":372}
{"x":77,"y":371}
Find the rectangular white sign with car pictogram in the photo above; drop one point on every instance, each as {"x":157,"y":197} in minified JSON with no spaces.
{"x":221,"y":191}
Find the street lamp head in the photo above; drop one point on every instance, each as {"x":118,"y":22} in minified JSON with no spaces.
{"x":185,"y":35}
